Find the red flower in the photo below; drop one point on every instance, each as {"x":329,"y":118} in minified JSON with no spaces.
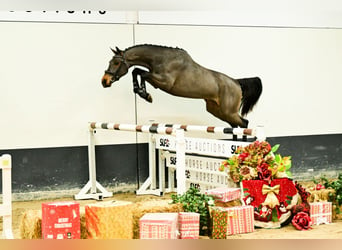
{"x":243,"y":156}
{"x":264,"y":173}
{"x":302,"y":221}
{"x":319,"y":186}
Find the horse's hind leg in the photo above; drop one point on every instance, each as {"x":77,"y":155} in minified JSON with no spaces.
{"x":140,"y":89}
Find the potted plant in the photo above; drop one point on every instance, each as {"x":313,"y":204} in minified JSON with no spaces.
{"x":193,"y":201}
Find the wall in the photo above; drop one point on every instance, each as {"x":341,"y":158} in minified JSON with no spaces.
{"x":50,"y":88}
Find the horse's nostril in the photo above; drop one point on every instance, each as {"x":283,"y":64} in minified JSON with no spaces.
{"x":104,"y":83}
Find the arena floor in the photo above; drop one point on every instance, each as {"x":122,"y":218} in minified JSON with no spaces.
{"x":330,"y":231}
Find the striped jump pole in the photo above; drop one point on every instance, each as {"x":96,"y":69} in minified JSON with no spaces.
{"x":160,"y":128}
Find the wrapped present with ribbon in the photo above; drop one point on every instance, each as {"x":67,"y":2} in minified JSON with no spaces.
{"x":224,"y":194}
{"x":321,"y":212}
{"x":231,"y":220}
{"x":272,"y":200}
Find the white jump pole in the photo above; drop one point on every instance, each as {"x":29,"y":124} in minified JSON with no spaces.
{"x":180,"y":164}
{"x":6,"y":206}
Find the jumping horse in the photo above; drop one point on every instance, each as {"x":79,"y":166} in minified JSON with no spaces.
{"x":175,"y":72}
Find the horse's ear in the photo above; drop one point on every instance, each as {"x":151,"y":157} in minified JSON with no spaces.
{"x":119,"y":51}
{"x":115,"y":52}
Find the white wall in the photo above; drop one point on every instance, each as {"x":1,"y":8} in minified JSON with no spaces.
{"x":50,"y":79}
{"x":51,"y":83}
{"x":300,"y":70}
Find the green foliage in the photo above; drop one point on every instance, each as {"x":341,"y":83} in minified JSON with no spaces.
{"x":337,"y":186}
{"x":275,"y":148}
{"x":194,"y":201}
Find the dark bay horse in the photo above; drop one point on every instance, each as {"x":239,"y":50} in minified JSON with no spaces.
{"x":175,"y":72}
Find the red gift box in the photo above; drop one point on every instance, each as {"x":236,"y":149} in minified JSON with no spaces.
{"x":231,"y":220}
{"x":225,"y":194}
{"x":321,"y":212}
{"x":159,"y":226}
{"x":188,"y":224}
{"x":61,"y":220}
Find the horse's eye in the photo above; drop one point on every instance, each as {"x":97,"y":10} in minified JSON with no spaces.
{"x":116,"y":63}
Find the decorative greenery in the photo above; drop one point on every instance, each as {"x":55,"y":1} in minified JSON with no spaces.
{"x":337,"y":186}
{"x":194,"y":201}
{"x":257,"y":161}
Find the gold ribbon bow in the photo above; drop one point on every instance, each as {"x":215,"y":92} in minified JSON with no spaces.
{"x":271,"y":198}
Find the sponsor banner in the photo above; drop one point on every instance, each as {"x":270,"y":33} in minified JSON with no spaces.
{"x":201,"y":172}
{"x":201,"y":146}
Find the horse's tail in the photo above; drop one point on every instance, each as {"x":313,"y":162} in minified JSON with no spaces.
{"x":251,"y":91}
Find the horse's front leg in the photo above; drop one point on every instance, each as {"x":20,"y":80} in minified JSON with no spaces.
{"x":135,"y":74}
{"x":140,"y":89}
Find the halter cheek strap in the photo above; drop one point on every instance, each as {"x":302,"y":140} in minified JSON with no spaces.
{"x":123,"y":60}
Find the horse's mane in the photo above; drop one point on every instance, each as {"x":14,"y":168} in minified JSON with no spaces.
{"x":153,"y":45}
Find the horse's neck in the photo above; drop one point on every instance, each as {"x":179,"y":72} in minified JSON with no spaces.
{"x":139,"y":56}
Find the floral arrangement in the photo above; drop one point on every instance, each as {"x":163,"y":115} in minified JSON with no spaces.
{"x":257,"y":161}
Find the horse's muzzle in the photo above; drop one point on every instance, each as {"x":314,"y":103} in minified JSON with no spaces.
{"x":107,"y":80}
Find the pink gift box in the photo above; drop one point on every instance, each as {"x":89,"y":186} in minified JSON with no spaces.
{"x":188,"y":224}
{"x":159,"y":226}
{"x":321,"y":212}
{"x":231,"y":220}
{"x":225,"y":194}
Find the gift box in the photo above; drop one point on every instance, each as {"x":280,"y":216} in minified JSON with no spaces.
{"x":159,"y":226}
{"x":109,"y":220}
{"x":152,"y":206}
{"x":224,"y":194}
{"x":272,"y":201}
{"x":61,"y":220}
{"x":188,"y":225}
{"x":321,"y":212}
{"x":231,"y":220}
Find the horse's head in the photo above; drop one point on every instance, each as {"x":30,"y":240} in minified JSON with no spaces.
{"x":116,"y":69}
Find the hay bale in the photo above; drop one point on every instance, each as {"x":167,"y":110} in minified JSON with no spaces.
{"x":31,"y":225}
{"x":233,"y":203}
{"x":152,"y":206}
{"x":335,"y":215}
{"x":320,"y":195}
{"x":109,"y":220}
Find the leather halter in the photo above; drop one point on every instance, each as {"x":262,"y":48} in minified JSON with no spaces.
{"x":122,"y":61}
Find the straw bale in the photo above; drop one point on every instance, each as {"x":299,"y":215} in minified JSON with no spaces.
{"x":152,"y":206}
{"x":233,"y":203}
{"x":31,"y":225}
{"x":320,"y":195}
{"x":109,"y":220}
